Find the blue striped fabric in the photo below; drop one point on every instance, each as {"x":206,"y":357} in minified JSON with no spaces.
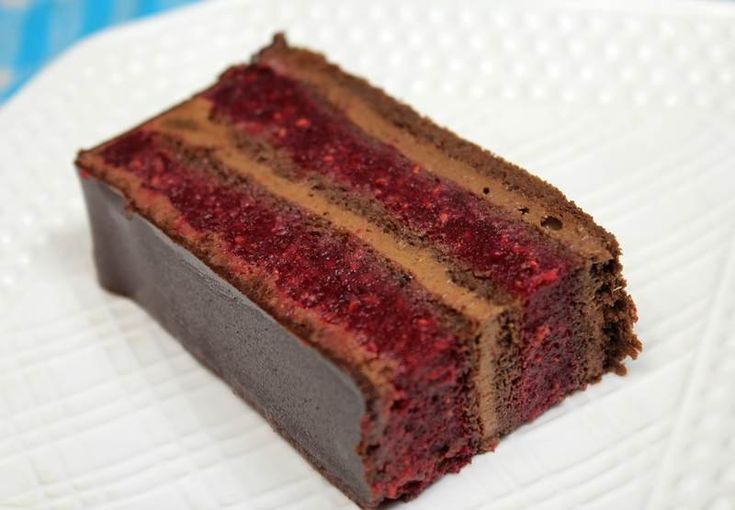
{"x":34,"y":31}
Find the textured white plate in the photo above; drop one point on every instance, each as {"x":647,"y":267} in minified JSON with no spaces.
{"x":628,"y":109}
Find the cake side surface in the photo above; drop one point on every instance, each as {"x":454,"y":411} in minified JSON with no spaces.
{"x":288,"y":381}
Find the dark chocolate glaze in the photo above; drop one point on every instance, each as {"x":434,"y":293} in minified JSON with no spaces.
{"x":310,"y":401}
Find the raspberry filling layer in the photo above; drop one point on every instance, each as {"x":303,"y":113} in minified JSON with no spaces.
{"x":273,"y":107}
{"x":320,"y":140}
{"x":422,"y":431}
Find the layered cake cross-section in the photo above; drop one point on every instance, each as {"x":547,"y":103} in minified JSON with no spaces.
{"x":392,"y":298}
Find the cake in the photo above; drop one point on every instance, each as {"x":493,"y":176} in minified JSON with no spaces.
{"x":391,"y":298}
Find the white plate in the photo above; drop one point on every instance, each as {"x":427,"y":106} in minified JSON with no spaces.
{"x":628,"y":109}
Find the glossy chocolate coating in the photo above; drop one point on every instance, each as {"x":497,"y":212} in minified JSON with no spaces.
{"x":310,"y":401}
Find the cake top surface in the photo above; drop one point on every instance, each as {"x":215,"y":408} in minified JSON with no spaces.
{"x":470,"y":227}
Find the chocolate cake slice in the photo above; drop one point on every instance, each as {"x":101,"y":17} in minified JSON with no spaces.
{"x":392,"y":298}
